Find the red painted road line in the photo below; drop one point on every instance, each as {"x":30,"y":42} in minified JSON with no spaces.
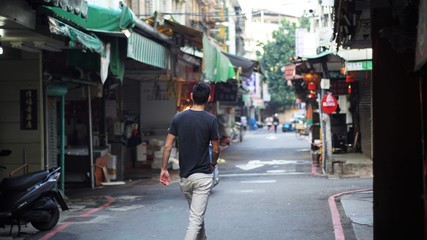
{"x":55,"y":231}
{"x":336,"y":219}
{"x":110,"y":201}
{"x":85,"y":214}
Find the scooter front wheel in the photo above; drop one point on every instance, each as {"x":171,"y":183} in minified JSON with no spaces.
{"x":51,"y":223}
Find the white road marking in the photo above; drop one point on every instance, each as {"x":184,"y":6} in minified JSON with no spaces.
{"x":247,"y":191}
{"x":259,"y":181}
{"x":126,"y":208}
{"x":276,"y":171}
{"x":262,"y":174}
{"x":253,"y":164}
{"x":271,"y":137}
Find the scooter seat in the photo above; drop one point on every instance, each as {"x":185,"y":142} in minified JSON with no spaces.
{"x":23,"y":182}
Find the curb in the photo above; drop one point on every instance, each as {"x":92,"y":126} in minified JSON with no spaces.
{"x":336,"y":218}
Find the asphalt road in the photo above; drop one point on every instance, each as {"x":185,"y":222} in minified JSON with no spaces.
{"x":266,"y":191}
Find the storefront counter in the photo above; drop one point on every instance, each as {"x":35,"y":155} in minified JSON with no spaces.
{"x":77,"y":163}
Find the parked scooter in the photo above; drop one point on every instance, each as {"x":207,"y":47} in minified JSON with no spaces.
{"x":31,"y":198}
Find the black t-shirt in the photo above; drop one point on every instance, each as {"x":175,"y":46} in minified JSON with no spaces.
{"x":276,"y":121}
{"x":194,"y":131}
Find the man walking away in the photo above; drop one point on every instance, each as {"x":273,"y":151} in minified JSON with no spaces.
{"x":276,"y":122}
{"x":194,"y":130}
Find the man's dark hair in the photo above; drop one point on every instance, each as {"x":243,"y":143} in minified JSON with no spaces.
{"x":201,"y":93}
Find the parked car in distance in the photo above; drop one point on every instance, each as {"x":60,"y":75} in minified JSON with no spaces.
{"x":291,"y":125}
{"x":287,"y":127}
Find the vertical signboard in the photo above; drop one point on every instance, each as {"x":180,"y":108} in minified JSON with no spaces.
{"x":28,"y":102}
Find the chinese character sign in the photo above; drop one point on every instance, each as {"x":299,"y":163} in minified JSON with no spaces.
{"x":28,"y":99}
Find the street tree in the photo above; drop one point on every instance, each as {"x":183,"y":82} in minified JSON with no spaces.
{"x":276,"y":54}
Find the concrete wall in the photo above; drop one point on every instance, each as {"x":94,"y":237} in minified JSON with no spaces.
{"x":158,"y":106}
{"x":20,"y":71}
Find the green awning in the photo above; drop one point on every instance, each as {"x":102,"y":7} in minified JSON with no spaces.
{"x":99,"y":19}
{"x":77,"y":37}
{"x":322,"y":54}
{"x":147,"y":51}
{"x":216,"y":66}
{"x":91,"y":61}
{"x":77,"y":7}
{"x":107,"y":22}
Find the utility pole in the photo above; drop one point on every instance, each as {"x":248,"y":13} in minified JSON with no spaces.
{"x":325,"y":124}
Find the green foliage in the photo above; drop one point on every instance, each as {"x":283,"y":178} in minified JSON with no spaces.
{"x":275,"y":56}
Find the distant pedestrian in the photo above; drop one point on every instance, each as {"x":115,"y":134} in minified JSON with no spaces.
{"x":276,"y":122}
{"x":195,"y":129}
{"x":269,"y":122}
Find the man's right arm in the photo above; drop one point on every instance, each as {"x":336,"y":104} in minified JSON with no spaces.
{"x":167,"y":148}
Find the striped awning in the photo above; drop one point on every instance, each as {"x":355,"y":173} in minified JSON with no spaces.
{"x":147,"y":51}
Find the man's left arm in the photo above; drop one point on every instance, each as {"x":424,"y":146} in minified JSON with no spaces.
{"x":215,"y":151}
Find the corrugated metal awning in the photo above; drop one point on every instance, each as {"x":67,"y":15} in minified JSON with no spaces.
{"x":194,"y":36}
{"x":147,"y":51}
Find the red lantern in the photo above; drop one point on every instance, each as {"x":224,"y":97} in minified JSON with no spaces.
{"x":311,"y":86}
{"x":311,"y":77}
{"x":349,"y":78}
{"x":312,"y":94}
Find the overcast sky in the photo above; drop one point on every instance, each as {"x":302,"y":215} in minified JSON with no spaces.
{"x":289,"y":7}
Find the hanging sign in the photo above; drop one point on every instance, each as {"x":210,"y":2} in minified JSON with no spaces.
{"x":28,"y":102}
{"x":226,"y":91}
{"x":325,"y":83}
{"x":329,"y":103}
